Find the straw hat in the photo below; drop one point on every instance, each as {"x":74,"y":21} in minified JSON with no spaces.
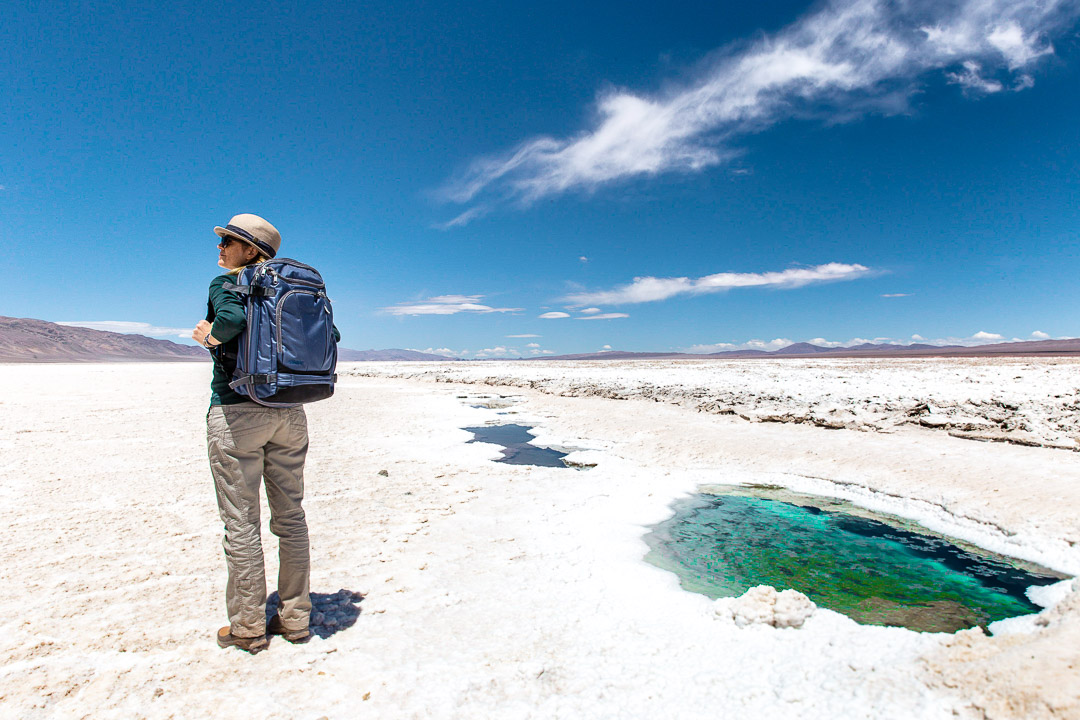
{"x":253,"y":230}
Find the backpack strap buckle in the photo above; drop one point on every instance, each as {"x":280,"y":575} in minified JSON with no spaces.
{"x":262,"y":379}
{"x":252,"y":290}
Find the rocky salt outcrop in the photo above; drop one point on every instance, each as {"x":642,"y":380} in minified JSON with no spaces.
{"x":764,"y":605}
{"x":1008,"y":400}
{"x":1027,"y":675}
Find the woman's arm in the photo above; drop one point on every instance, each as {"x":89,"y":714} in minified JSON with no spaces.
{"x":228,"y":314}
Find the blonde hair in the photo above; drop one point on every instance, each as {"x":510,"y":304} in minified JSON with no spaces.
{"x":259,"y":258}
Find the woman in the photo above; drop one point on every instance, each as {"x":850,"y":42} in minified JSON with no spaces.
{"x":249,"y":443}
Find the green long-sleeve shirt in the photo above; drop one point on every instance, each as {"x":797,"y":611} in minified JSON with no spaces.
{"x":226,"y":313}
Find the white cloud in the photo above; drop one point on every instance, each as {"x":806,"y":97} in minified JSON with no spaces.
{"x":847,"y":59}
{"x":604,"y":316}
{"x":893,"y":295}
{"x":525,"y":335}
{"x":498,"y":351}
{"x":1017,"y":45}
{"x":553,"y":315}
{"x":822,"y":342}
{"x":130,"y":328}
{"x":767,"y":345}
{"x":971,"y":79}
{"x":1023,"y":82}
{"x":580,"y":259}
{"x":979,"y":338}
{"x":770,"y":345}
{"x":712,"y":348}
{"x":606,"y":347}
{"x":650,"y":289}
{"x":441,"y":351}
{"x":446,"y":305}
{"x":532,"y":345}
{"x":589,"y":311}
{"x":1040,"y":335}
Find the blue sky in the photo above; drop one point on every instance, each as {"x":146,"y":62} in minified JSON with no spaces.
{"x":527,"y":178}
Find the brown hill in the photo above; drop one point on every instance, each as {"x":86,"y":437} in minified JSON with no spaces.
{"x":28,"y":340}
{"x":393,"y":354}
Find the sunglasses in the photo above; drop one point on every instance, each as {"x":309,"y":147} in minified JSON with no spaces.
{"x":226,"y":242}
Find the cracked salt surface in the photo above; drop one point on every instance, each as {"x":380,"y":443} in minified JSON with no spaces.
{"x":492,"y":590}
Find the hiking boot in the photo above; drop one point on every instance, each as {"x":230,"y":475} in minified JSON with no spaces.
{"x":253,"y":645}
{"x":274,"y":627}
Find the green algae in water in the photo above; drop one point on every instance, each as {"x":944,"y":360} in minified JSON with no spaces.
{"x":873,"y":568}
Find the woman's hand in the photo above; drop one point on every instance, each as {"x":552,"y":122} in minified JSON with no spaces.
{"x":202,"y":332}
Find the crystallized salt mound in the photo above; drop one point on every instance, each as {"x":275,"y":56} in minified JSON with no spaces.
{"x":763,"y":605}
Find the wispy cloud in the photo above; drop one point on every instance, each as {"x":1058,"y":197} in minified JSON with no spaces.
{"x":554,"y":315}
{"x":446,"y":305}
{"x":845,"y":60}
{"x":896,"y":295}
{"x":603,"y":316}
{"x":525,"y":335}
{"x":130,"y":328}
{"x":1039,"y":335}
{"x":971,"y":79}
{"x":464,"y":218}
{"x":651,"y":289}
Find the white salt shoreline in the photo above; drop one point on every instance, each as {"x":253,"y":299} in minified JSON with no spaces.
{"x":491,"y":590}
{"x":1025,"y":401}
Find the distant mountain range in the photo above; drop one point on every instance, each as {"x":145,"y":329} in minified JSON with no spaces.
{"x":386,"y":355}
{"x":28,"y":340}
{"x":806,"y":350}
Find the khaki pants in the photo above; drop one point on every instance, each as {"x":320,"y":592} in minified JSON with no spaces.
{"x":248,"y":444}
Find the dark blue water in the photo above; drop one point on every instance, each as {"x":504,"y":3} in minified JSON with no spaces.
{"x":517,"y":449}
{"x":874,"y":568}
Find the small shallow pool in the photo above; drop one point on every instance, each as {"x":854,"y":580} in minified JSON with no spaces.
{"x":517,"y":445}
{"x":876,"y":569}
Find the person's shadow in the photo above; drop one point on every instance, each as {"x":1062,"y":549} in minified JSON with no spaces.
{"x":330,"y":613}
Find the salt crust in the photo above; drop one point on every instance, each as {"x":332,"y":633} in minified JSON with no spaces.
{"x":489,"y":590}
{"x":1017,"y":400}
{"x":763,"y":605}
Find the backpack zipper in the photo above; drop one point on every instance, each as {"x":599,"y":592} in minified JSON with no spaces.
{"x":278,"y":310}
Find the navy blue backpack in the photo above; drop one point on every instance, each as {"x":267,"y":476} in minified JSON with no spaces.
{"x":287,"y":352}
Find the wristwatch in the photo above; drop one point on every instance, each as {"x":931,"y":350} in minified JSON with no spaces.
{"x":206,"y":342}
